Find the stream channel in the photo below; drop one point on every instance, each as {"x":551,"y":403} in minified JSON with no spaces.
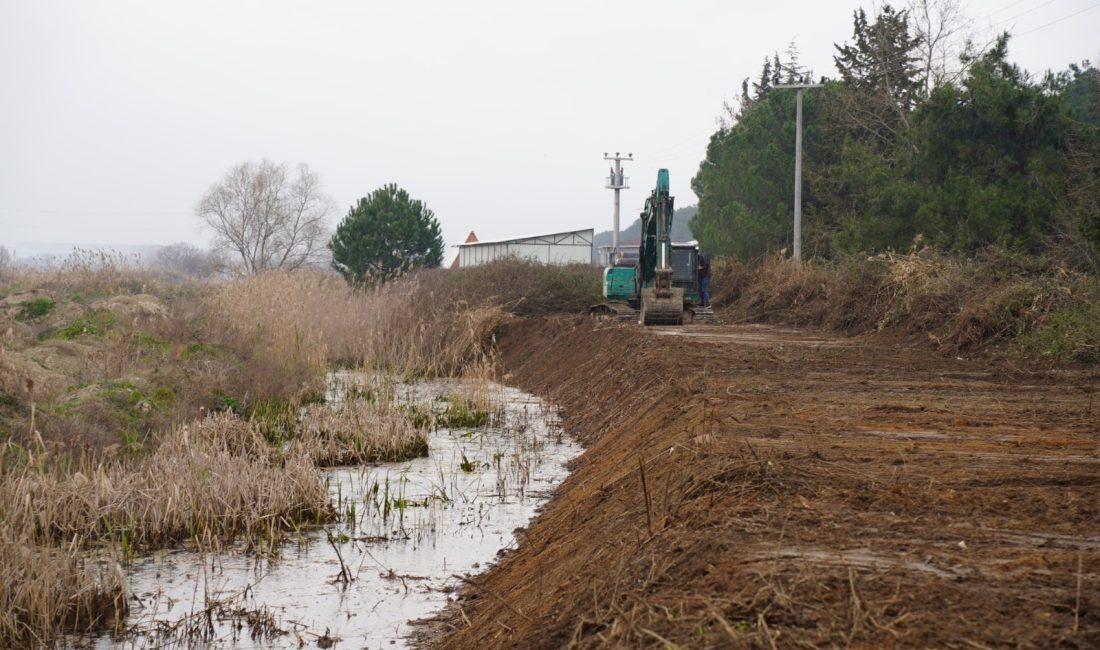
{"x":461,"y":506}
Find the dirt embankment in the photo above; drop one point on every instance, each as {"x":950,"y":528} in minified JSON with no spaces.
{"x":751,"y":487}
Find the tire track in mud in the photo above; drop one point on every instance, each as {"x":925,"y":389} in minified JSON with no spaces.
{"x":754,"y":487}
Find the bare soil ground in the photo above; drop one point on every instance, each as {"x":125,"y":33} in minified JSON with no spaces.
{"x":747,"y":486}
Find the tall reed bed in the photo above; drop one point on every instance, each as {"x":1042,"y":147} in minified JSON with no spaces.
{"x":210,"y":481}
{"x":297,"y":322}
{"x":66,"y":521}
{"x":50,"y":590}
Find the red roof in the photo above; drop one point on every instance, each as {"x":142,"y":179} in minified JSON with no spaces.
{"x":470,"y":239}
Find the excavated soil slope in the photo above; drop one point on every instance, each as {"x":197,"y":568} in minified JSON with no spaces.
{"x":750,"y":487}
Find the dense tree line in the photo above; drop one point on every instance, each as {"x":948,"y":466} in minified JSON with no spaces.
{"x":897,"y":152}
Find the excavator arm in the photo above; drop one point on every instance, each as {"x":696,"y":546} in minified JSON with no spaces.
{"x":661,"y":302}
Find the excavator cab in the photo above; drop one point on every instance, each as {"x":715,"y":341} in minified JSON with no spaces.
{"x":685,"y":262}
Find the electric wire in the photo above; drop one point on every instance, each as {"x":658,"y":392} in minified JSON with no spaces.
{"x":1023,"y":13}
{"x":1005,"y":8}
{"x":1054,"y":22}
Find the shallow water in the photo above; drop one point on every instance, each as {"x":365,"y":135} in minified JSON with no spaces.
{"x":461,"y":506}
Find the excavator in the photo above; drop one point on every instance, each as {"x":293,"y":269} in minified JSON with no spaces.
{"x":661,"y":287}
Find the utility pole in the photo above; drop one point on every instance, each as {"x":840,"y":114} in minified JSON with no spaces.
{"x":798,"y":166}
{"x":616,"y":181}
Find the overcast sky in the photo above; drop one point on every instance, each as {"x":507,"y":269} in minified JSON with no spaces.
{"x":116,"y":116}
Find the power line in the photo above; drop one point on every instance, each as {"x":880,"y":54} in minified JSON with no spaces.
{"x":1060,"y":19}
{"x":1005,"y":8}
{"x":1023,"y":13}
{"x":690,"y":141}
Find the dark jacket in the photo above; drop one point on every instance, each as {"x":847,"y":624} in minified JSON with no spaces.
{"x":704,"y":266}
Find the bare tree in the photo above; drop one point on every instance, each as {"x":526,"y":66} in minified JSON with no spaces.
{"x":268,"y":218}
{"x":945,"y":32}
{"x":188,"y":261}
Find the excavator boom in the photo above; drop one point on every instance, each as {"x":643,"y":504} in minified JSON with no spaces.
{"x":661,"y":302}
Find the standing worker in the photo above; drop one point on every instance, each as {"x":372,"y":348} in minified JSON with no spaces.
{"x":704,"y":279}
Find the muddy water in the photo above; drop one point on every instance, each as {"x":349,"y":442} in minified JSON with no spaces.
{"x":448,"y":515}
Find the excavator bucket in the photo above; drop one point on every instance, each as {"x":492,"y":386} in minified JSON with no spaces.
{"x":662,"y":307}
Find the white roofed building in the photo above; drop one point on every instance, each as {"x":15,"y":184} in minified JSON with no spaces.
{"x":570,"y":247}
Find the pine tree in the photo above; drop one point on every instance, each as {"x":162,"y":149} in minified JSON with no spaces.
{"x":881,"y":68}
{"x":384,"y":236}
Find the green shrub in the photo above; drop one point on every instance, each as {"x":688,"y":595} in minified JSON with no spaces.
{"x":1069,"y":333}
{"x":9,"y":402}
{"x":33,"y":309}
{"x":95,"y":323}
{"x":227,"y":402}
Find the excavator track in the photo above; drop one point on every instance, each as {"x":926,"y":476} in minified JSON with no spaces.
{"x":700,"y":313}
{"x":619,"y":311}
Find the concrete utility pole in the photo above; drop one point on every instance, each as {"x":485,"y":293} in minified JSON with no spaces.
{"x":798,"y":166}
{"x":616,"y":181}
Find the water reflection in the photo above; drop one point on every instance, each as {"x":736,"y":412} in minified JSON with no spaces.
{"x":408,"y":531}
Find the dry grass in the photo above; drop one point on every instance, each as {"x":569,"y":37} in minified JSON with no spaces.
{"x":431,"y":323}
{"x":128,"y":359}
{"x":955,"y":303}
{"x":479,"y":389}
{"x":358,"y":431}
{"x":296,"y":322}
{"x":274,"y":322}
{"x":47,"y":590}
{"x":211,"y":481}
{"x":87,"y":272}
{"x":246,"y":344}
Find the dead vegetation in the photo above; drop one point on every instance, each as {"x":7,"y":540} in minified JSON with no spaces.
{"x":48,"y":590}
{"x":713,"y":507}
{"x":999,"y":298}
{"x":210,"y":482}
{"x":358,"y":431}
{"x":68,"y":521}
{"x":138,"y":413}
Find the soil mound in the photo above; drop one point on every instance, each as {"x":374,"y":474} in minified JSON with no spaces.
{"x":751,"y":487}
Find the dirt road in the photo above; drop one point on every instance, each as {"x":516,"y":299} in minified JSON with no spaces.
{"x":752,"y":487}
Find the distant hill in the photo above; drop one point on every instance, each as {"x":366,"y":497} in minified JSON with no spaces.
{"x":630,"y":227}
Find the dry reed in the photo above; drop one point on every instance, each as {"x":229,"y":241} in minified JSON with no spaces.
{"x":298,"y":321}
{"x":357,"y":431}
{"x":87,"y":272}
{"x":46,"y":591}
{"x":210,"y":481}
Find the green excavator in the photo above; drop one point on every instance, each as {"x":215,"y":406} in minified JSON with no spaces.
{"x":662,"y":286}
